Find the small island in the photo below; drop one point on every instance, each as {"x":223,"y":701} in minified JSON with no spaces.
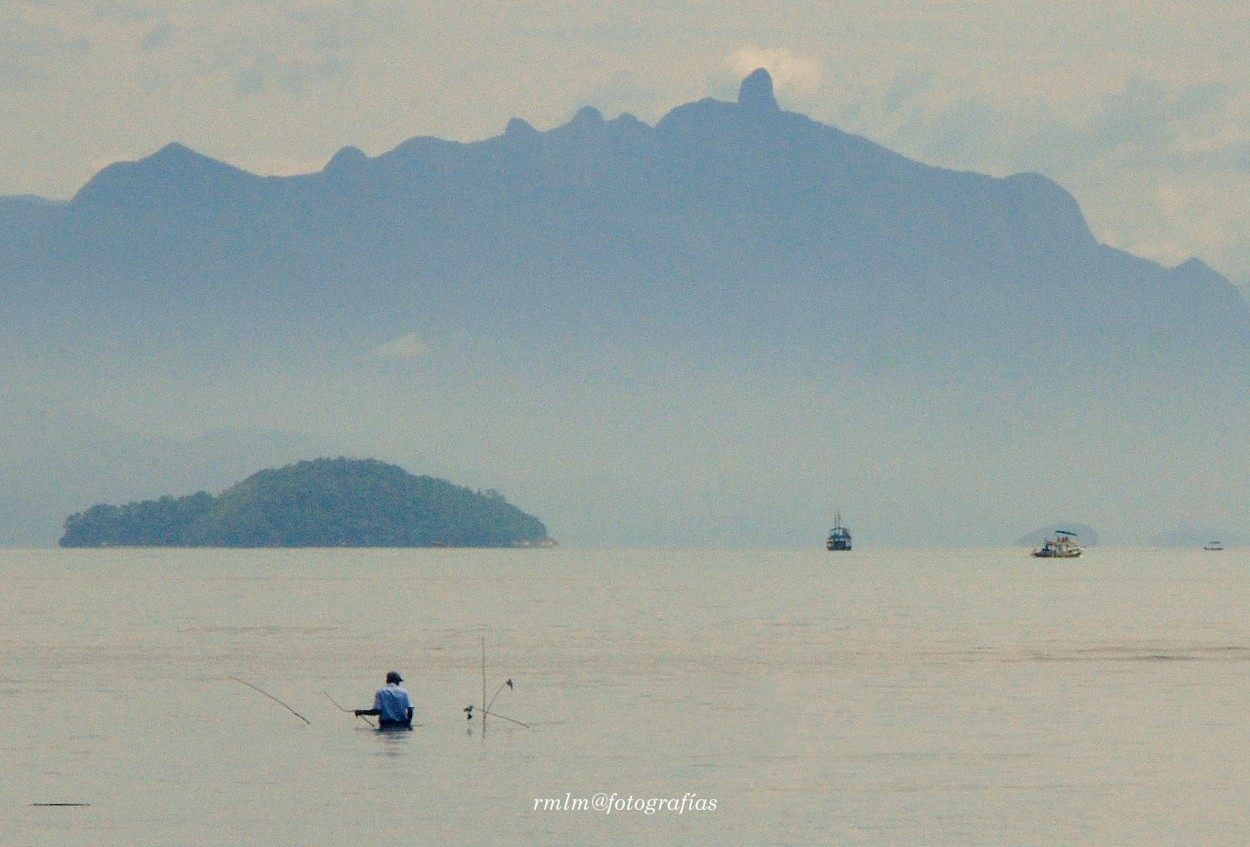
{"x":320,"y":503}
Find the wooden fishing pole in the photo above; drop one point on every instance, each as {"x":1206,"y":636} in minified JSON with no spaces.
{"x":497,"y":715}
{"x":485,"y":708}
{"x":506,"y":684}
{"x":510,"y":720}
{"x":274,"y":699}
{"x":349,"y":711}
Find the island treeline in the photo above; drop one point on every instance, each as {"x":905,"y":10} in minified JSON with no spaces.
{"x":320,"y":503}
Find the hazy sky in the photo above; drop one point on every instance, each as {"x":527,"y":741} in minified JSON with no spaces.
{"x":1141,"y":109}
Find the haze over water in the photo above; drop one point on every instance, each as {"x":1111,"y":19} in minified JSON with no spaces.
{"x":880,"y":697}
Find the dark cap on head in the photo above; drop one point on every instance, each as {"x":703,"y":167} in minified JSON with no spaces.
{"x":393,"y":676}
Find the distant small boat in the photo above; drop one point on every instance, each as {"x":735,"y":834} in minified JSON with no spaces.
{"x":1214,"y":545}
{"x":1060,"y":547}
{"x":839,"y":537}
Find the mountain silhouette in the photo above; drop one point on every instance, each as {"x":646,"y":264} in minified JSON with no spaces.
{"x":719,"y":265}
{"x":726,"y":209}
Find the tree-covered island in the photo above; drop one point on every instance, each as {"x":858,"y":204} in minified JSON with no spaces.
{"x":320,"y":503}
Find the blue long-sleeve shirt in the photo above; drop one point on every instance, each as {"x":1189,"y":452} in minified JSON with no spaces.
{"x":393,"y":704}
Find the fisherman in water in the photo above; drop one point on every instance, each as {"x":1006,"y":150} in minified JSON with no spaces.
{"x":391,"y":704}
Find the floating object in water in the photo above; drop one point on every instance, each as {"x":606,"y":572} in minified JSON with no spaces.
{"x":839,"y":537}
{"x":1060,"y":547}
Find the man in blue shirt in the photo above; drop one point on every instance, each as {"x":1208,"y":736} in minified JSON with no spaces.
{"x":391,"y":704}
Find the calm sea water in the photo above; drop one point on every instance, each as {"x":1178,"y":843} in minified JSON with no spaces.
{"x":880,"y":697}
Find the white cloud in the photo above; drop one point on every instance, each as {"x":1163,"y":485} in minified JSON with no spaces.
{"x":410,"y":346}
{"x":801,"y":77}
{"x":1153,"y":162}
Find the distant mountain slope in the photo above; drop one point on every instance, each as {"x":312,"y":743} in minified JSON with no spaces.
{"x":725,"y":219}
{"x":708,"y":331}
{"x":322,"y":503}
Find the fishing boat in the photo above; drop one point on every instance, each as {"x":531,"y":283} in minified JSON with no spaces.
{"x":1214,"y":545}
{"x":1060,"y":547}
{"x":839,"y":537}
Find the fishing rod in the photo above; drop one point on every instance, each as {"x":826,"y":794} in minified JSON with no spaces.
{"x":349,"y":711}
{"x":507,"y":684}
{"x":485,"y":708}
{"x":274,"y":699}
{"x":469,"y":710}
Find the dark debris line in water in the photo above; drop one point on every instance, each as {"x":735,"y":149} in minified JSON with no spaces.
{"x":60,"y":804}
{"x":1132,"y":653}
